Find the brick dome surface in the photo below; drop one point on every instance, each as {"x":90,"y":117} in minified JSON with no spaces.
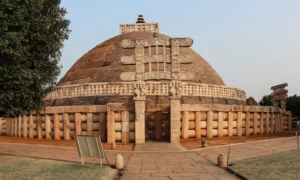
{"x":102,"y":63}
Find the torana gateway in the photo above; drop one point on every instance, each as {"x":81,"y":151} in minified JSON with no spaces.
{"x":142,"y":85}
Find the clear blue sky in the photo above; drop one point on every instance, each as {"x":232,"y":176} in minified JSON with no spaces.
{"x":252,"y":44}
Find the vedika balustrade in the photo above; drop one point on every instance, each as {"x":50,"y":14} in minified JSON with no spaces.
{"x":116,"y":122}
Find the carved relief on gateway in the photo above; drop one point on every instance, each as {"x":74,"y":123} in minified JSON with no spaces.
{"x":140,"y":59}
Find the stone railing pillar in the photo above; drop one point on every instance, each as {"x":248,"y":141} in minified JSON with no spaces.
{"x":185,"y":125}
{"x":1,"y":121}
{"x":47,"y":127}
{"x":220,"y":124}
{"x":267,"y":131}
{"x":25,"y":123}
{"x":56,"y":126}
{"x":39,"y":126}
{"x":31,"y":126}
{"x":111,"y":127}
{"x":247,"y":124}
{"x":255,"y":123}
{"x":175,"y":120}
{"x":77,"y":123}
{"x":20,"y":126}
{"x":289,"y":121}
{"x":125,"y":127}
{"x":66,"y":126}
{"x":262,"y":119}
{"x":198,"y":124}
{"x":89,"y":124}
{"x":239,"y":124}
{"x":209,"y":125}
{"x":16,"y":126}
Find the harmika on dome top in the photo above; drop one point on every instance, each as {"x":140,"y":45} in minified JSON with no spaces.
{"x":112,"y":71}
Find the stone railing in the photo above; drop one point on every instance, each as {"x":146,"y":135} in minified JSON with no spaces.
{"x":152,"y":88}
{"x":112,"y":122}
{"x":116,"y":122}
{"x":229,"y":120}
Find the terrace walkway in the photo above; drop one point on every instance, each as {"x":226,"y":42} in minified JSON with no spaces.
{"x":181,"y":164}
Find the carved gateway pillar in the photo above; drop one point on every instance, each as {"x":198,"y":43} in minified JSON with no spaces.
{"x":175,"y":97}
{"x":142,"y":76}
{"x":140,"y":97}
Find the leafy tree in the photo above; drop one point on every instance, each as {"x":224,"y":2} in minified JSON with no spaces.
{"x":266,"y":100}
{"x":293,"y":105}
{"x":31,"y":37}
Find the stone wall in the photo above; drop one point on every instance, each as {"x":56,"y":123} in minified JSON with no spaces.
{"x":225,"y":120}
{"x":115,"y":122}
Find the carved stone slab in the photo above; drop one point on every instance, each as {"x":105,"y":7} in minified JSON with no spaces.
{"x":156,"y":58}
{"x":131,"y":76}
{"x":183,"y":42}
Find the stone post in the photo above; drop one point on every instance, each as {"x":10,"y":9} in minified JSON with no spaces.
{"x":230,"y":124}
{"x":47,"y":126}
{"x":25,"y":123}
{"x":77,"y":123}
{"x":66,"y":126}
{"x":209,"y":124}
{"x":56,"y":126}
{"x":247,"y":123}
{"x":185,"y":125}
{"x":31,"y":126}
{"x":12,"y":127}
{"x":139,"y":121}
{"x":16,"y":126}
{"x":239,"y":124}
{"x":111,"y":127}
{"x":20,"y":126}
{"x":39,"y":126}
{"x":89,"y":124}
{"x":255,"y":123}
{"x":220,"y":124}
{"x":1,"y":121}
{"x":262,"y":119}
{"x":290,"y":121}
{"x":125,"y":127}
{"x":175,"y":120}
{"x":198,"y":124}
{"x":272,"y":123}
{"x":267,"y":124}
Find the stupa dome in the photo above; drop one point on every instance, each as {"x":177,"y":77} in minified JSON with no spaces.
{"x":142,"y":63}
{"x":102,"y":63}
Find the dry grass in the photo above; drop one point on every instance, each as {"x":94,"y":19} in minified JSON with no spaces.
{"x":13,"y":167}
{"x":284,"y":165}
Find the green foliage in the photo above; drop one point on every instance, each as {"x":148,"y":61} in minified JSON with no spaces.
{"x":266,"y":100}
{"x":31,"y":37}
{"x":293,"y":105}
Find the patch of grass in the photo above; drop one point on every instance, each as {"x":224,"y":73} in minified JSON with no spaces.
{"x":284,"y":165}
{"x":13,"y":167}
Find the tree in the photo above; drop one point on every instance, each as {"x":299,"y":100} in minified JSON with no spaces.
{"x":293,"y":105}
{"x":31,"y":37}
{"x":266,"y":100}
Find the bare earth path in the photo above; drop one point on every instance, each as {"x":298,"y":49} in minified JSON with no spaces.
{"x":181,"y":164}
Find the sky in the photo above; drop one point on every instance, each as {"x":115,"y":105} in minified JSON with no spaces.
{"x":252,"y":44}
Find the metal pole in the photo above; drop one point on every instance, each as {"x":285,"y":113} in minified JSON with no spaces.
{"x":228,"y":155}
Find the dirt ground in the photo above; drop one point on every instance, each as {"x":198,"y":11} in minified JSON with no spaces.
{"x":194,"y":143}
{"x":61,"y":143}
{"x":189,"y":143}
